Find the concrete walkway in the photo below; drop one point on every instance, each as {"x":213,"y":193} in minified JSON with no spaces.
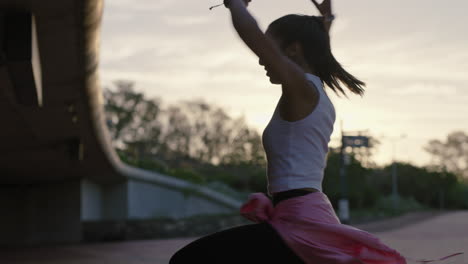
{"x":434,"y":237}
{"x":431,"y":239}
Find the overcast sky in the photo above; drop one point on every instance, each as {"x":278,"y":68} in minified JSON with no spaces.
{"x":413,"y":55}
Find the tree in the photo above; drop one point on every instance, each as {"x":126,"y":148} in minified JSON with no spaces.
{"x":208,"y":134}
{"x":451,"y":155}
{"x":182,"y":134}
{"x":364,"y":154}
{"x":362,"y":186}
{"x":132,"y":120}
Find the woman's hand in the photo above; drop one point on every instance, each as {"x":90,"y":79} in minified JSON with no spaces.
{"x":326,"y":11}
{"x":227,"y":2}
{"x":258,"y":208}
{"x":324,"y":7}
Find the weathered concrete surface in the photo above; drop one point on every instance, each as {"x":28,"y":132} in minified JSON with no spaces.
{"x":436,"y":237}
{"x":399,"y":221}
{"x":32,"y":212}
{"x":53,"y":131}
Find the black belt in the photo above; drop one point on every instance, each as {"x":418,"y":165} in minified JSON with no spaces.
{"x":278,"y":197}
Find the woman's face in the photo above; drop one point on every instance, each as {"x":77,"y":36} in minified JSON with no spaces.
{"x":269,"y":73}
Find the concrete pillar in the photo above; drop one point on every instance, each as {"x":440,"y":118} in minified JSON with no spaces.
{"x":99,"y":202}
{"x":46,"y":213}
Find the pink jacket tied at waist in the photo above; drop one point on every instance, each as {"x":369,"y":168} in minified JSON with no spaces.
{"x":309,"y":226}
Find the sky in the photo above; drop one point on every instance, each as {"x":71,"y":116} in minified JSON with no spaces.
{"x":413,"y":56}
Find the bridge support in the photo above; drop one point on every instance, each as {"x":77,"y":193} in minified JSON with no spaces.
{"x":40,"y":214}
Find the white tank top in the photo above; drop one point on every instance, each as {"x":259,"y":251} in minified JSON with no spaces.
{"x":296,"y":151}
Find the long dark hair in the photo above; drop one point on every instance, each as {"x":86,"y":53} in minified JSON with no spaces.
{"x":310,"y":32}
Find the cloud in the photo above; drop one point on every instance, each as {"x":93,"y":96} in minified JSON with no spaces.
{"x":415,"y":70}
{"x":413,"y":59}
{"x":132,"y":6}
{"x":424,"y":89}
{"x":186,"y":20}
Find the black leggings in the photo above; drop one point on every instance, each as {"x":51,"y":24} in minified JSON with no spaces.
{"x":248,"y":244}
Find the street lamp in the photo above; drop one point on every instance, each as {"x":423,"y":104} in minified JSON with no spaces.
{"x":394,"y":171}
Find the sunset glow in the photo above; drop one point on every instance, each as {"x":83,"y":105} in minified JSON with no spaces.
{"x":413,"y":55}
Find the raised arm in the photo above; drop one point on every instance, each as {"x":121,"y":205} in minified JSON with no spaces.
{"x":291,"y":76}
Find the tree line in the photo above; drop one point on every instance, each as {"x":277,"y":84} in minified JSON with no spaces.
{"x":199,"y":142}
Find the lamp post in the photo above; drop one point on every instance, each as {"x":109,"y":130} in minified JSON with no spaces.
{"x":395,"y":172}
{"x":343,"y":203}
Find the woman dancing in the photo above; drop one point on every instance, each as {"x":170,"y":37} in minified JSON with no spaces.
{"x":301,"y":225}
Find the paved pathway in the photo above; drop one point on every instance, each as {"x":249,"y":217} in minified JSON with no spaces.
{"x":435,"y":237}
